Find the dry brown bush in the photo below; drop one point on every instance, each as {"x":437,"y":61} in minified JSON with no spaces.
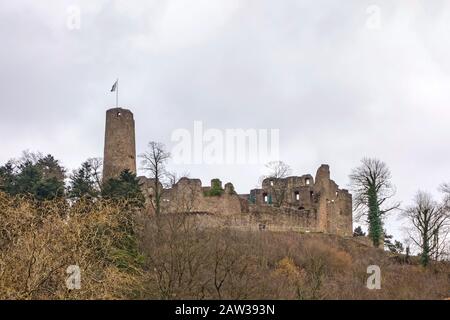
{"x":193,"y":262}
{"x":39,"y":240}
{"x":176,"y":257}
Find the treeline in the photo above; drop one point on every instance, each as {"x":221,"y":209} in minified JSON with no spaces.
{"x":51,"y":220}
{"x":44,"y":178}
{"x":427,"y":220}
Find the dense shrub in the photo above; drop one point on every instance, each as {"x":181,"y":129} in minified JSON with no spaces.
{"x":216,"y":189}
{"x":40,"y":240}
{"x":190,"y":262}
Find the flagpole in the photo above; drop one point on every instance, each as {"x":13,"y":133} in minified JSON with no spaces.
{"x":117,"y":94}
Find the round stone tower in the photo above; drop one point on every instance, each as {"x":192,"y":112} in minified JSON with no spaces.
{"x":120,"y":146}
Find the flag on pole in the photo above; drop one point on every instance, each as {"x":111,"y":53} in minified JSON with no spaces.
{"x":114,"y":86}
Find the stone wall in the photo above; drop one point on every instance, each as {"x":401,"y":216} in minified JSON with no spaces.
{"x":329,"y":206}
{"x":188,"y":196}
{"x":309,"y":204}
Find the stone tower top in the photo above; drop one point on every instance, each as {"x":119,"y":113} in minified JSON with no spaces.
{"x":120,"y":145}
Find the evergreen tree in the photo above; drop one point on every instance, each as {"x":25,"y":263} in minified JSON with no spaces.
{"x":359,"y":232}
{"x":392,"y":245}
{"x":27,"y":179}
{"x":125,"y":187}
{"x":48,"y":189}
{"x":7,"y":178}
{"x":50,"y":168}
{"x":398,"y":246}
{"x":83,"y":183}
{"x":40,"y":177}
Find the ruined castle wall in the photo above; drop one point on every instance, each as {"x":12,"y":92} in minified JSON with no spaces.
{"x":188,"y":196}
{"x":321,"y":197}
{"x":290,"y":191}
{"x":225,"y":204}
{"x":334,"y":205}
{"x":120,"y":148}
{"x":323,"y":193}
{"x":344,"y":222}
{"x":251,"y":222}
{"x":302,"y":219}
{"x":298,"y":202}
{"x":318,"y":206}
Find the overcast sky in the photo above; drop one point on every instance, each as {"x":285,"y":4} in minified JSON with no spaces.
{"x":340,"y":79}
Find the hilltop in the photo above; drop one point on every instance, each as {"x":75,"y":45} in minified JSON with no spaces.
{"x":282,"y":265}
{"x":123,"y":255}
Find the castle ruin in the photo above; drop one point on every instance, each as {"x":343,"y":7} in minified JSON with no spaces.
{"x":305,"y":203}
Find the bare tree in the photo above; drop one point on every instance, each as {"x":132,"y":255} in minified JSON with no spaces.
{"x":278,"y":170}
{"x":445,"y":188}
{"x":96,"y":165}
{"x":186,"y":198}
{"x":430,"y":225}
{"x":29,"y":156}
{"x":154,"y":161}
{"x":445,"y":251}
{"x":173,"y":177}
{"x":372,"y":189}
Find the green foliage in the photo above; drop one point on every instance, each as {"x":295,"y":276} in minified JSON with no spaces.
{"x":216,"y":189}
{"x":374,"y":217}
{"x":398,"y":246}
{"x":425,"y":254}
{"x":126,"y":190}
{"x":372,"y":191}
{"x":125,"y":254}
{"x":50,"y":168}
{"x":126,"y":187}
{"x":7,"y":178}
{"x":43,"y":179}
{"x":26,"y":180}
{"x":393,"y":246}
{"x":48,"y":189}
{"x":359,"y":232}
{"x":82,"y":182}
{"x":231,"y":190}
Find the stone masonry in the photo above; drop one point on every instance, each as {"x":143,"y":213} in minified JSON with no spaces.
{"x":120,"y":147}
{"x":312,"y":204}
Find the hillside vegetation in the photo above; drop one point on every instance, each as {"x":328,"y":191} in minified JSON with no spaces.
{"x":124,"y":255}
